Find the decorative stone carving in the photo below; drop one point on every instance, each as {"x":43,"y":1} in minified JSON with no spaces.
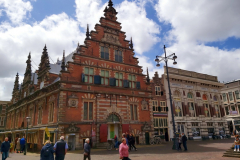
{"x":52,"y":98}
{"x":144,"y":105}
{"x":146,"y":127}
{"x":72,"y":129}
{"x":111,"y":39}
{"x":73,"y":101}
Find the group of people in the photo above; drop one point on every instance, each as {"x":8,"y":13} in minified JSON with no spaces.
{"x":182,"y":139}
{"x":128,"y":143}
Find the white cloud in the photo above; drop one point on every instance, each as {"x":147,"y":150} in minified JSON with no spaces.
{"x":202,"y":21}
{"x":195,"y":23}
{"x":58,"y":32}
{"x":16,"y":10}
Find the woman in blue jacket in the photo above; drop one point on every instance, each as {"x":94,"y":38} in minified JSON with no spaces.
{"x":47,"y":151}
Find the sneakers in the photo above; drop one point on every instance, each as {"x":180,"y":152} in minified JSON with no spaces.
{"x":234,"y":150}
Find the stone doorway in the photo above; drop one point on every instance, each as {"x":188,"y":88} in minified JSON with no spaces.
{"x":72,"y":142}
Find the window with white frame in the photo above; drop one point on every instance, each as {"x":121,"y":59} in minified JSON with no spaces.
{"x":104,"y":77}
{"x":157,"y":90}
{"x":88,"y":111}
{"x":89,"y":72}
{"x":155,"y":105}
{"x":224,"y":97}
{"x":118,"y":56}
{"x":104,"y":52}
{"x":132,"y":81}
{"x":230,"y":94}
{"x":133,"y":111}
{"x":119,"y":79}
{"x":163,"y":106}
{"x":237,"y":94}
{"x":160,"y":123}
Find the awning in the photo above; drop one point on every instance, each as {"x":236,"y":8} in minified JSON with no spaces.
{"x":29,"y":130}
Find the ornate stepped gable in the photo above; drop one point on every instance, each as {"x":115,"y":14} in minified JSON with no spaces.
{"x":16,"y":84}
{"x":108,"y":34}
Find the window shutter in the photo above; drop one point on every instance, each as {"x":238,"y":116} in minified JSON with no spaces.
{"x":159,"y":109}
{"x":103,"y":132}
{"x":138,"y":86}
{"x":112,"y":81}
{"x":161,"y":93}
{"x":184,"y":109}
{"x":167,"y":109}
{"x":83,"y":77}
{"x":196,"y":110}
{"x":97,"y":79}
{"x":125,"y":128}
{"x":125,"y":83}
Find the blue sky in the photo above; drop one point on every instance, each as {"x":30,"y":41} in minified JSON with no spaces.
{"x":205,"y":39}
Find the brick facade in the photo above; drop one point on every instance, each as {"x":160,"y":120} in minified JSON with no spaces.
{"x":99,"y":92}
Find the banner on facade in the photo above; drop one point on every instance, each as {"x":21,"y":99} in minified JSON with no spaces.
{"x":47,"y":132}
{"x":233,"y":112}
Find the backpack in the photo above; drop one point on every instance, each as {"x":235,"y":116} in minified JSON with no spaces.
{"x":47,"y":152}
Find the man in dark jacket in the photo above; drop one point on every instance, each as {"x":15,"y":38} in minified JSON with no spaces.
{"x":60,"y":148}
{"x":5,"y":149}
{"x":47,"y":152}
{"x":184,"y":141}
{"x":87,"y":150}
{"x":22,"y":143}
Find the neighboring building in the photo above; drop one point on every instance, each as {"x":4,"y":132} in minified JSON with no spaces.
{"x":159,"y":107}
{"x":96,"y":92}
{"x":231,"y":103}
{"x":197,"y":105}
{"x":3,"y":106}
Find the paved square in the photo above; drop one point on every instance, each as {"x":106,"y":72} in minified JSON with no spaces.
{"x":198,"y":150}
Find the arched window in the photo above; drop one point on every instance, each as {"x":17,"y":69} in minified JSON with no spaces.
{"x":206,"y":106}
{"x":176,"y":94}
{"x":189,"y":95}
{"x":191,"y":106}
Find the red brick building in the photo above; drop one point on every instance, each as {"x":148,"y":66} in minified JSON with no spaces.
{"x":159,"y":106}
{"x":97,"y":92}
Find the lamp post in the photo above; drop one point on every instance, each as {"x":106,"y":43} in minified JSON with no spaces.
{"x":166,"y":58}
{"x":28,"y":120}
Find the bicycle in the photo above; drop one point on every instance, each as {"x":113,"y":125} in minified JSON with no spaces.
{"x":111,"y":144}
{"x":155,"y":140}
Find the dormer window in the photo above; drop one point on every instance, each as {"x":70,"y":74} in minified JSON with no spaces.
{"x":104,"y":53}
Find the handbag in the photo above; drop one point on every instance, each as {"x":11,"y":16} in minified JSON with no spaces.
{"x":85,"y":154}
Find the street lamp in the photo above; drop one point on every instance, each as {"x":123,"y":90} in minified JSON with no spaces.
{"x":166,"y":58}
{"x":28,"y":120}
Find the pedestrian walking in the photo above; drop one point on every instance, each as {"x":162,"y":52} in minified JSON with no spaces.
{"x":179,"y":142}
{"x":116,"y":142}
{"x":60,"y":148}
{"x":184,"y":141}
{"x":18,"y":146}
{"x":15,"y":144}
{"x":123,"y":150}
{"x":22,"y":143}
{"x":132,"y":142}
{"x":87,"y":150}
{"x":5,"y":149}
{"x":47,"y":151}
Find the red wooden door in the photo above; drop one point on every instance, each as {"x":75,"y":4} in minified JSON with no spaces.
{"x":103,"y":132}
{"x":125,"y":128}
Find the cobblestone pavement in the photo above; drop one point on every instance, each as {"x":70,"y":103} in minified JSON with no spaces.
{"x":198,"y":150}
